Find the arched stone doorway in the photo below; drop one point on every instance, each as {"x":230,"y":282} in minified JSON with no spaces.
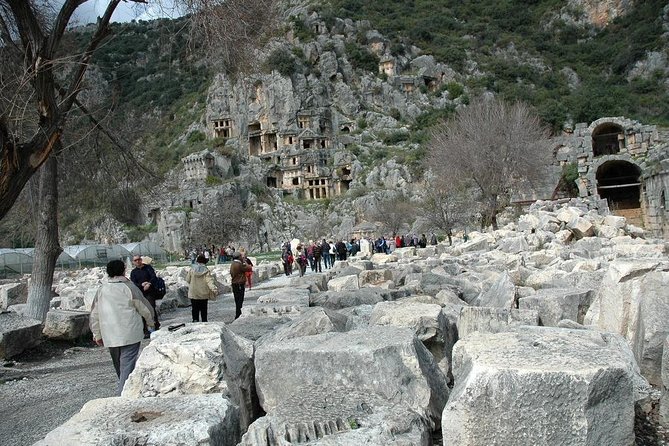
{"x":607,"y":139}
{"x":618,"y":182}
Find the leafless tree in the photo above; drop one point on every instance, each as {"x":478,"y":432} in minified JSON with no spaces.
{"x":40,"y":81}
{"x":219,"y":221}
{"x":394,"y":213}
{"x":490,"y":146}
{"x":445,"y":207}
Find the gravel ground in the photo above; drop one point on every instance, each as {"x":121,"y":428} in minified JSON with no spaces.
{"x":42,"y":388}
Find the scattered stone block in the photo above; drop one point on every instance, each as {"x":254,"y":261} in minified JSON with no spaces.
{"x":186,"y":361}
{"x":374,"y":277}
{"x":395,"y":366}
{"x":18,"y":333}
{"x":66,"y":325}
{"x":493,"y":320}
{"x":540,"y":386}
{"x":185,"y":420}
{"x":345,"y":283}
{"x":12,"y":294}
{"x":556,"y":304}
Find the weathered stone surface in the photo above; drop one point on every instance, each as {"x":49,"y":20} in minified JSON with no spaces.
{"x":397,"y":368}
{"x":664,"y":399}
{"x":253,"y":328}
{"x":556,"y":304}
{"x":426,"y":321}
{"x":513,"y":245}
{"x":313,"y":321}
{"x":239,"y":371}
{"x":18,"y":333}
{"x":653,"y":325}
{"x":66,"y":325}
{"x":344,"y":299}
{"x":493,"y":320}
{"x":12,"y":294}
{"x":71,"y":301}
{"x":344,"y":283}
{"x":581,"y":227}
{"x":320,"y":281}
{"x":382,"y":259}
{"x":632,"y":301}
{"x":502,"y":293}
{"x":186,"y":361}
{"x":338,"y":416}
{"x":539,"y":386}
{"x":202,"y":420}
{"x":374,"y":277}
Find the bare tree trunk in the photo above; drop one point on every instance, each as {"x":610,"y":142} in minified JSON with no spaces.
{"x":47,"y":247}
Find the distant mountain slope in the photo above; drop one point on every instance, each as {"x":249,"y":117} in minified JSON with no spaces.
{"x":576,"y":60}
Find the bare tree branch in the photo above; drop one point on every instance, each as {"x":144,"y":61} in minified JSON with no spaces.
{"x":491,"y":145}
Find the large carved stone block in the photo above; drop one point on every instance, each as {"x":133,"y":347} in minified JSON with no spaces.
{"x":186,"y":420}
{"x":18,"y":333}
{"x":540,"y":386}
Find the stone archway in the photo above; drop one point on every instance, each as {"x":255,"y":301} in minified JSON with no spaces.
{"x":619,"y":183}
{"x":607,"y":139}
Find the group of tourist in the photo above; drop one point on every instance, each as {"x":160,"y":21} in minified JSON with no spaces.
{"x":123,"y":311}
{"x":220,"y":254}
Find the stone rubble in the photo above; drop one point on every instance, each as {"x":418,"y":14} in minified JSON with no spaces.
{"x":522,"y":321}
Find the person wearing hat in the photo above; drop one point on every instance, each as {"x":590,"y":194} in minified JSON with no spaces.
{"x":237,"y":273}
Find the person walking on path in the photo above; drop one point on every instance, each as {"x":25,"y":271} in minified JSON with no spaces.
{"x":301,"y":260}
{"x":143,"y":276}
{"x":201,"y":288}
{"x":249,"y":263}
{"x":237,"y":270}
{"x":116,"y":321}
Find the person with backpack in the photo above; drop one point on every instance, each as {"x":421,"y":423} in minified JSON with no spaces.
{"x":201,"y":287}
{"x":144,"y":277}
{"x":117,"y":313}
{"x":301,"y":259}
{"x":249,"y":263}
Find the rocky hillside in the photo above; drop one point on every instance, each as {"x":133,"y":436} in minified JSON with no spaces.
{"x":384,"y":71}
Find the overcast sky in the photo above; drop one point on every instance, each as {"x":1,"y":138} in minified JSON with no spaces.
{"x":126,"y":11}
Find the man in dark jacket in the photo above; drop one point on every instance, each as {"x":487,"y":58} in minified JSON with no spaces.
{"x":317,"y":251}
{"x":143,"y":276}
{"x":238,"y":276}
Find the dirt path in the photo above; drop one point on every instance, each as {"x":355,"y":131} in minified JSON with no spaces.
{"x":42,"y":388}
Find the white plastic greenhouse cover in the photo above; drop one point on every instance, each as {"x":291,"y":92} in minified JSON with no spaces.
{"x":151,"y":249}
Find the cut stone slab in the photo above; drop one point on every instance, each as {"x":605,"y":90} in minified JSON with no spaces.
{"x":632,"y":301}
{"x":493,"y":320}
{"x":389,"y":362}
{"x":18,"y":333}
{"x":186,"y":361}
{"x":344,"y":283}
{"x":67,"y":325}
{"x":202,"y":420}
{"x":540,"y":386}
{"x":346,"y":299}
{"x":502,"y":293}
{"x":12,"y":294}
{"x":556,"y":304}
{"x":312,"y":321}
{"x":426,"y":320}
{"x":374,"y":277}
{"x":331,"y":415}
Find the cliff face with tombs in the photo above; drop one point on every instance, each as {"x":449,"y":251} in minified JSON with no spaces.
{"x":315,"y":135}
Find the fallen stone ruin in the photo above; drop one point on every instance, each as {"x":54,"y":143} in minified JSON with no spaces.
{"x":547,"y":331}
